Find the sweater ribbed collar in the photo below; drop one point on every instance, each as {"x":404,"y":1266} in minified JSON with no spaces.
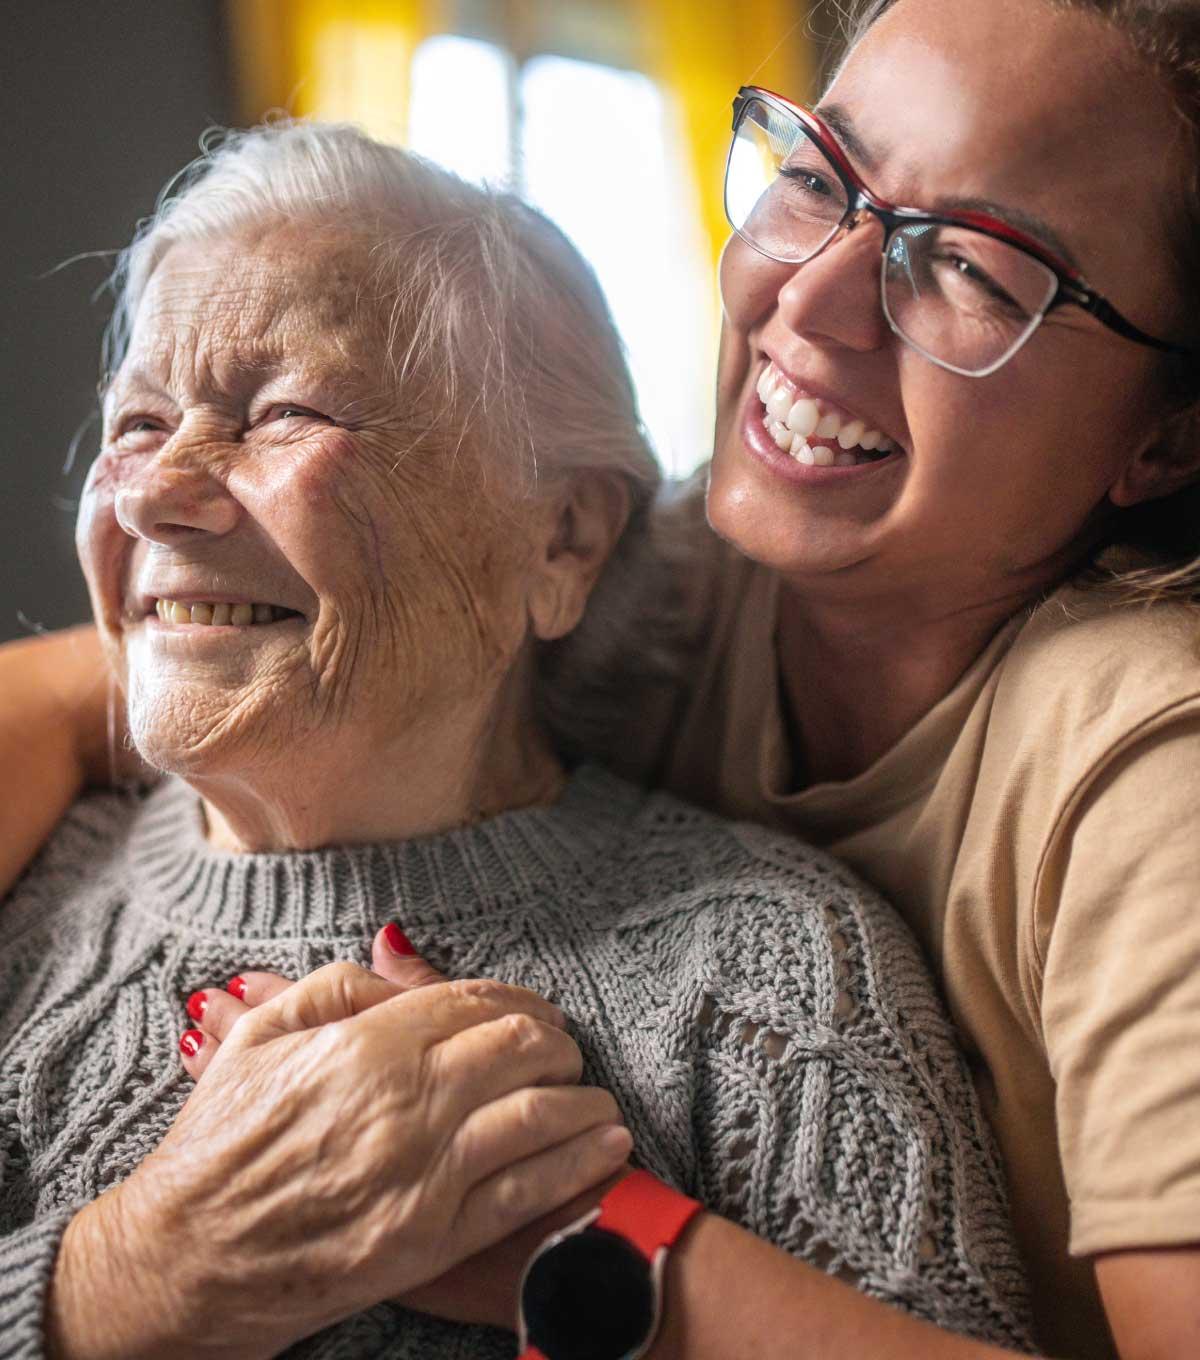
{"x":350,"y":891}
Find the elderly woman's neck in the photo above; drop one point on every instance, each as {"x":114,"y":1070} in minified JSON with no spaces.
{"x":441,"y":777}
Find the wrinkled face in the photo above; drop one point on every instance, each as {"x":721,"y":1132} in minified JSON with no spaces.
{"x":328,"y":581}
{"x":996,"y":482}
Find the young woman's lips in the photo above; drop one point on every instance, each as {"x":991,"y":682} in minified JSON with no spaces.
{"x":766,"y":451}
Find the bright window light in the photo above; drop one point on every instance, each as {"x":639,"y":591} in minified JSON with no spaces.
{"x":601,"y":155}
{"x":460,"y":107}
{"x":600,"y":152}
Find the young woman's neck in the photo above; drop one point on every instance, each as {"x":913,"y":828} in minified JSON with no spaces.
{"x":857,"y":677}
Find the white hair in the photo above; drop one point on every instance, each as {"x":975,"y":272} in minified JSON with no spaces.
{"x":497,"y":325}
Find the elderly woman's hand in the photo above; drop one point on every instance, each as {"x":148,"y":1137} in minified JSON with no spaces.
{"x":482,"y":1289}
{"x":349,"y":1141}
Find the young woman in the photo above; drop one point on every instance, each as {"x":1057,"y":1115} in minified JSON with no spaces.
{"x":947,"y":622}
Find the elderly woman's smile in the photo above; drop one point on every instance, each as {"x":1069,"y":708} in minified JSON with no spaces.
{"x":264,"y":471}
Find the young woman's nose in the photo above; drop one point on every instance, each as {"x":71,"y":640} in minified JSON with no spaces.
{"x":173,"y":497}
{"x":834,"y":297}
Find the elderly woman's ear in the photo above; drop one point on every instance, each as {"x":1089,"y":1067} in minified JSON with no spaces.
{"x":583,"y":520}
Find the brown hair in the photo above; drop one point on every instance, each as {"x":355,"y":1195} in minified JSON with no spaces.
{"x":1157,"y":543}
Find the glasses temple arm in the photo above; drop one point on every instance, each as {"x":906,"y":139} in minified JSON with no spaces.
{"x":1107,"y":315}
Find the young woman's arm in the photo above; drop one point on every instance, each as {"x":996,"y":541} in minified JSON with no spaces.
{"x":53,"y":737}
{"x":730,"y":1294}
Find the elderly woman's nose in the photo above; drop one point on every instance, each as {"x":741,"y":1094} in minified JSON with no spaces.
{"x":168,"y":503}
{"x":835,"y":296}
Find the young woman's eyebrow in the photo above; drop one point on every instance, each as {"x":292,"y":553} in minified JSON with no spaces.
{"x":838,"y":120}
{"x":1020,"y":218}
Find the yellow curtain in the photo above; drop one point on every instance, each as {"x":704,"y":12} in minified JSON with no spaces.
{"x":702,"y":53}
{"x":350,"y":60}
{"x":344,"y":60}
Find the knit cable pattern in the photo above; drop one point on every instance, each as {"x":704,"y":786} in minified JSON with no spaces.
{"x":763,"y":1019}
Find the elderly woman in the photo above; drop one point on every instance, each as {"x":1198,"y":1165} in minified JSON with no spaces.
{"x":369,"y":447}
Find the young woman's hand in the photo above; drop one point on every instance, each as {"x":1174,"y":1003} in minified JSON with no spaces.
{"x":348,"y":1141}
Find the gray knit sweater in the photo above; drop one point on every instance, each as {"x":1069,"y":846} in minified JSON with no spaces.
{"x":761,"y":1017}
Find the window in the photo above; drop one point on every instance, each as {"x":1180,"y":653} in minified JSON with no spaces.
{"x":599,"y":151}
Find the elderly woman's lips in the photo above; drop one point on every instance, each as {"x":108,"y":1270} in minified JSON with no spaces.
{"x":221,"y":614}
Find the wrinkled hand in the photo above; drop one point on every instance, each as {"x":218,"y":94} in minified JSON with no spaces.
{"x":482,"y":1289}
{"x":349,"y":1140}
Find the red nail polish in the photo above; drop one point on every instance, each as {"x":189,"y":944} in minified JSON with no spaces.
{"x":197,"y":1004}
{"x":398,"y":942}
{"x":189,"y":1044}
{"x":237,"y":987}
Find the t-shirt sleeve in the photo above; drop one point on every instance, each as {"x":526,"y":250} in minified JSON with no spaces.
{"x":1120,"y":1003}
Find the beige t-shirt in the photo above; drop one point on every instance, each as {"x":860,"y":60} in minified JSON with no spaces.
{"x":1039,"y":830}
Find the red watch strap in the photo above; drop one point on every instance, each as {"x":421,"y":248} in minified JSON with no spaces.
{"x":646,"y":1212}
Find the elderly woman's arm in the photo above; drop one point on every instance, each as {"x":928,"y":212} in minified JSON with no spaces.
{"x":441,"y":1147}
{"x":53,"y":737}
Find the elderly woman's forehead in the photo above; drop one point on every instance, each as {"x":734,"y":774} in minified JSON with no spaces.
{"x":279,"y":281}
{"x":261,"y":303}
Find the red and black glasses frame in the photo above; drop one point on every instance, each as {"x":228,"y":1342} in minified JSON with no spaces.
{"x":1072,"y":289}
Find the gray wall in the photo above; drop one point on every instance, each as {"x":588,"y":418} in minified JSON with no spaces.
{"x":100,"y":101}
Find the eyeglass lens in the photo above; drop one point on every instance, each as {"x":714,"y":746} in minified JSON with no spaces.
{"x":962,"y":297}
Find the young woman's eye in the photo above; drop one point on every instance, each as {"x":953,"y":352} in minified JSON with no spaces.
{"x":810,"y":180}
{"x":970,"y":273}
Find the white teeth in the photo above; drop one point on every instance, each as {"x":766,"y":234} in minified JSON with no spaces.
{"x":779,"y":403}
{"x":851,"y":433}
{"x":804,"y":417}
{"x":171,"y":611}
{"x":792,"y":421}
{"x":804,"y":454}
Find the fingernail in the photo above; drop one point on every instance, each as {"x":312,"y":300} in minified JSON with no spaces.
{"x":189,"y":1044}
{"x":197,"y":1004}
{"x":237,"y":987}
{"x":398,"y":942}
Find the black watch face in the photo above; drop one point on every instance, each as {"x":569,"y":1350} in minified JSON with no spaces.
{"x":589,"y":1298}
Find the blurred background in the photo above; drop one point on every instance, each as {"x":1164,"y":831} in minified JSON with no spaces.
{"x":612,"y":116}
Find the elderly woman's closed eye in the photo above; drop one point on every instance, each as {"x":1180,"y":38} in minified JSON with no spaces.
{"x":369,"y":516}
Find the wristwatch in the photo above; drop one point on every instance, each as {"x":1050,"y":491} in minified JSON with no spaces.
{"x":593,"y":1290}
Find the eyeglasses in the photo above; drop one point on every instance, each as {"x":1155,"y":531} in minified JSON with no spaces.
{"x":964,"y":289}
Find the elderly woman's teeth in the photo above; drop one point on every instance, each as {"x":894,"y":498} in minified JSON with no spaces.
{"x":792,"y":422}
{"x":239,"y":615}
